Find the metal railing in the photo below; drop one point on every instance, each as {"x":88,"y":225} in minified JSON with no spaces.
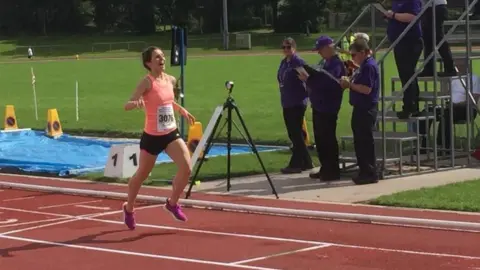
{"x":381,"y":62}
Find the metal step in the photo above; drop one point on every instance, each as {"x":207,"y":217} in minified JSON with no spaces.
{"x":390,"y":135}
{"x":431,"y":79}
{"x":424,"y":96}
{"x":391,"y":116}
{"x":462,"y":22}
{"x":460,"y":38}
{"x":350,"y":157}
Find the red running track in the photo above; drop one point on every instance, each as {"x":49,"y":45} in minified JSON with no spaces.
{"x":51,"y":231}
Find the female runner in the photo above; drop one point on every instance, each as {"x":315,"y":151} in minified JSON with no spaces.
{"x":155,"y":93}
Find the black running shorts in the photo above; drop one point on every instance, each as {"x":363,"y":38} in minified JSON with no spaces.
{"x":154,"y":145}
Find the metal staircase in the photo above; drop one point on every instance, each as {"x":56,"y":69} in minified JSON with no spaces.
{"x":393,"y":157}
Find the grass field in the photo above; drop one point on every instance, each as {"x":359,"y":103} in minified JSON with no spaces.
{"x":457,"y":197}
{"x":105,"y":84}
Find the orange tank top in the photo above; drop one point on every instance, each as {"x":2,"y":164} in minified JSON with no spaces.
{"x":159,"y":113}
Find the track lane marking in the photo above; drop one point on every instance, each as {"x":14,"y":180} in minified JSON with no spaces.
{"x":279,"y":254}
{"x":19,"y":199}
{"x":66,"y":204}
{"x":138,"y":254}
{"x":93,"y":207}
{"x":86,"y":217}
{"x":69,"y":219}
{"x":33,"y":222}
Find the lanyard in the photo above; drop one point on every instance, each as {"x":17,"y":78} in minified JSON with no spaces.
{"x":284,"y":67}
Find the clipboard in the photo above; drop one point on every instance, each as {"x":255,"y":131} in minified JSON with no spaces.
{"x":380,"y":8}
{"x":310,"y":71}
{"x":302,"y":70}
{"x":307,"y":70}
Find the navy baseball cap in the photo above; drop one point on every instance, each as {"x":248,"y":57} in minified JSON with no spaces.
{"x":322,"y":42}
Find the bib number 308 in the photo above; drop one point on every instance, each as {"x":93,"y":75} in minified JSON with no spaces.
{"x":165,"y":118}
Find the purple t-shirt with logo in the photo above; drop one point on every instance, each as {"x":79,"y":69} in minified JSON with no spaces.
{"x":367,"y":74}
{"x":292,"y":89}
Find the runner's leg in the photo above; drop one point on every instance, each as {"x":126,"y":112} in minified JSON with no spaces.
{"x":145,"y":166}
{"x":178,"y":152}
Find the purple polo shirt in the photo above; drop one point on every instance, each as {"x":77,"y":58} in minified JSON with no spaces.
{"x":292,"y":89}
{"x":326,"y":94}
{"x":395,"y":28}
{"x":367,"y":74}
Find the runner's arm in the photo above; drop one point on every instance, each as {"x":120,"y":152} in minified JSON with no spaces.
{"x":135,"y":100}
{"x":177,"y":107}
{"x":176,"y":87}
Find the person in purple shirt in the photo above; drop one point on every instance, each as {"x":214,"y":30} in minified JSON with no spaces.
{"x":408,"y":50}
{"x":293,"y":97}
{"x":364,"y":93}
{"x":326,"y":98}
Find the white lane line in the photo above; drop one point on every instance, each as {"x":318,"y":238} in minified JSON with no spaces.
{"x":67,"y":204}
{"x":92,"y":217}
{"x":69,"y":220}
{"x":35,"y":212}
{"x":138,"y":254}
{"x":280,"y":254}
{"x":19,"y":199}
{"x":296,"y":240}
{"x":34,"y":222}
{"x":93,"y":207}
{"x":8,"y":221}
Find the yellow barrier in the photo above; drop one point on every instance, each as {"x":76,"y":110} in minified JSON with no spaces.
{"x":54,"y":128}
{"x":10,"y":120}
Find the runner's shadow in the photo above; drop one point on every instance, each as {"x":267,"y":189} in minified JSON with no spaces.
{"x":87,"y":239}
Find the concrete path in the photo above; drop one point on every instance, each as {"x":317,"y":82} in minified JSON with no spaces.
{"x":301,"y":187}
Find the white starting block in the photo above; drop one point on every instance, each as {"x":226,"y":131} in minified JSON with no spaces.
{"x":122,"y":161}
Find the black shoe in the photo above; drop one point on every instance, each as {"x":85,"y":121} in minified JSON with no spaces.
{"x":329,"y":178}
{"x":289,"y":170}
{"x":447,"y":74}
{"x":406,"y":114}
{"x":314,"y":175}
{"x":425,"y":73}
{"x":365,"y":180}
{"x":422,"y":151}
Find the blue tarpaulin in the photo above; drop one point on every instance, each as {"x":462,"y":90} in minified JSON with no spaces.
{"x":32,"y":151}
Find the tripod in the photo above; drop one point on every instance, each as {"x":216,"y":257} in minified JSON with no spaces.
{"x":230,"y":106}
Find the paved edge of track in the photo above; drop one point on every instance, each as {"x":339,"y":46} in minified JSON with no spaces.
{"x":290,"y":204}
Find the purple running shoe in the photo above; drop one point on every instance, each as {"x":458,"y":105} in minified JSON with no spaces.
{"x":128,"y":218}
{"x":175,"y":211}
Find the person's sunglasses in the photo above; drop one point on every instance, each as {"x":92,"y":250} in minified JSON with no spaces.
{"x":288,"y":47}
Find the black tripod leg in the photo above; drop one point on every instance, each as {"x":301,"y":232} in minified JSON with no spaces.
{"x":199,"y":166}
{"x":254,"y":149}
{"x":229,"y":145}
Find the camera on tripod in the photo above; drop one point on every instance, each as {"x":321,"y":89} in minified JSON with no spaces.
{"x":229,"y":86}
{"x":212,"y":132}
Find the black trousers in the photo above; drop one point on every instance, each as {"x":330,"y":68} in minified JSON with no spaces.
{"x":459,"y":114}
{"x":407,"y":53}
{"x":293,"y":118}
{"x":363,"y":125}
{"x":325,"y":133}
{"x":441,"y":15}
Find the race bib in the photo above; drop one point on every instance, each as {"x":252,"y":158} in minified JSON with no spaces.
{"x":165,"y":118}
